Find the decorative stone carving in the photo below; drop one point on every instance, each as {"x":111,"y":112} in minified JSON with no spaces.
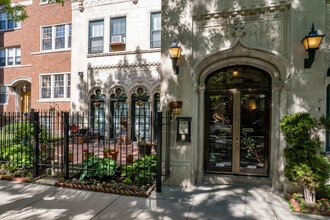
{"x":239,"y":30}
{"x":201,"y":88}
{"x":81,"y":6}
{"x":132,"y":65}
{"x":135,"y":1}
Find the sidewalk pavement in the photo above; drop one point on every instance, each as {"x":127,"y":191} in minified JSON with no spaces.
{"x":205,"y":201}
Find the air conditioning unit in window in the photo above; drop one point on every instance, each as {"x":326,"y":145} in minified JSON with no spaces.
{"x":118,"y":39}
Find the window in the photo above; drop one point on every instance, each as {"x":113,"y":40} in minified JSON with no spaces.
{"x":56,"y":37}
{"x":6,"y":24}
{"x":3,"y":95}
{"x":68,"y":86}
{"x":118,"y":34}
{"x":60,"y":37}
{"x":10,"y":56}
{"x":155,"y":30}
{"x":53,"y":86}
{"x":96,"y":37}
{"x":69,"y":36}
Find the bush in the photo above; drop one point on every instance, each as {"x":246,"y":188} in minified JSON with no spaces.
{"x":305,"y":165}
{"x":98,"y":167}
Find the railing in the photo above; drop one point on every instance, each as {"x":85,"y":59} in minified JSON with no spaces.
{"x":85,"y":145}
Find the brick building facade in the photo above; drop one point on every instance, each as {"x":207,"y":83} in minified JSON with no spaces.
{"x":36,"y":58}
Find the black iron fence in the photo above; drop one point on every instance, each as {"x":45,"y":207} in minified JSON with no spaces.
{"x":87,"y":145}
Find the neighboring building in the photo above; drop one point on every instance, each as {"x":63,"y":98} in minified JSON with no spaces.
{"x":241,"y":70}
{"x":116,"y":59}
{"x":35,"y":58}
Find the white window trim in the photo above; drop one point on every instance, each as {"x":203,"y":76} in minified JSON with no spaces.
{"x":14,"y":57}
{"x":66,"y":35}
{"x":52,"y":78}
{"x":6,"y":103}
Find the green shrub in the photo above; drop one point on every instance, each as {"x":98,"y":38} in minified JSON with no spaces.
{"x":305,"y":165}
{"x":98,"y":167}
{"x":142,"y":170}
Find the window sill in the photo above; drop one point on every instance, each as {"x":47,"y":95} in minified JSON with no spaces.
{"x":123,"y":53}
{"x":51,"y":51}
{"x":13,"y":29}
{"x":17,"y":66}
{"x":53,"y":100}
{"x":3,"y":104}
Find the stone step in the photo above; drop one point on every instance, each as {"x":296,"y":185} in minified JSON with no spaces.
{"x":237,"y":179}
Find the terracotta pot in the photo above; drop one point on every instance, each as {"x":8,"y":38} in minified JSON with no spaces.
{"x":97,"y":104}
{"x":129,"y":159}
{"x":139,"y":103}
{"x":144,"y":149}
{"x":113,"y":154}
{"x":87,"y":156}
{"x":70,"y":158}
{"x":81,"y":139}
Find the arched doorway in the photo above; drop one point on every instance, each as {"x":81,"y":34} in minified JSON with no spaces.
{"x":237,"y":121}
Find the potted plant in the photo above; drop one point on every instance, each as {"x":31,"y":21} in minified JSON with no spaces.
{"x":87,"y":153}
{"x":144,"y":148}
{"x":70,"y":157}
{"x":129,"y":158}
{"x":139,"y":103}
{"x":111,"y":152}
{"x":97,"y":104}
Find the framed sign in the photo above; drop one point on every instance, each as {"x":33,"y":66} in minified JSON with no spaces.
{"x":184,"y":129}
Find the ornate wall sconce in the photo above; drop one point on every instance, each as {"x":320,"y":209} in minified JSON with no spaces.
{"x":175,"y":53}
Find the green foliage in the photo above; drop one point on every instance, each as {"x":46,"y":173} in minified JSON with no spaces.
{"x":128,"y":181}
{"x":98,"y":167}
{"x":19,"y":155}
{"x":252,"y":148}
{"x":141,"y":169}
{"x":305,"y":164}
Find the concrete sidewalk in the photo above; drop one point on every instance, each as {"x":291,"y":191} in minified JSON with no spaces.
{"x":207,"y":201}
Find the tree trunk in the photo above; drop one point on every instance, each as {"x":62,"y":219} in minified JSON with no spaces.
{"x":310,"y":195}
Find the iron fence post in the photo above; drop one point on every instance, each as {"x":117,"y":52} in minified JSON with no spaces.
{"x":66,"y":144}
{"x":159,"y":152}
{"x":35,"y":121}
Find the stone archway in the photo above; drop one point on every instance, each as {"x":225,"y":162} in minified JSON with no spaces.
{"x":275,"y":65}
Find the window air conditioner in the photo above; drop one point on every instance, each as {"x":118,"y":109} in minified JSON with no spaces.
{"x":117,"y":39}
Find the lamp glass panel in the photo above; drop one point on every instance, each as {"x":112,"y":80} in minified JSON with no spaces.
{"x":173,"y":52}
{"x":179,"y":52}
{"x":314,"y":42}
{"x":305,"y":43}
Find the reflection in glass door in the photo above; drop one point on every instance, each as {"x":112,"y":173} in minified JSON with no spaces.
{"x":220,"y":132}
{"x":254,"y":132}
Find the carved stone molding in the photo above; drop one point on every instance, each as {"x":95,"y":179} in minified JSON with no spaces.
{"x":239,"y":30}
{"x":81,"y":6}
{"x":119,"y":66}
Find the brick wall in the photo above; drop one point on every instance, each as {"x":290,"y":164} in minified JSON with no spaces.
{"x":28,"y":38}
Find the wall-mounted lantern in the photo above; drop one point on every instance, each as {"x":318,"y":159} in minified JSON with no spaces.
{"x":184,"y":129}
{"x":311,"y":44}
{"x":175,"y":53}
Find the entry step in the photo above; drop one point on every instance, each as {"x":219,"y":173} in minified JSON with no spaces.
{"x":237,"y":179}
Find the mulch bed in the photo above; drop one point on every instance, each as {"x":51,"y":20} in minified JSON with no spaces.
{"x":298,"y":204}
{"x":104,"y":189}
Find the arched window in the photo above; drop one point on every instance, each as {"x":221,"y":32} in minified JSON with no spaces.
{"x":118,"y":110}
{"x":140,"y":115}
{"x":98,"y":113}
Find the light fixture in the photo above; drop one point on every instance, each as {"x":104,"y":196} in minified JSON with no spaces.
{"x":175,"y":53}
{"x":235,"y":71}
{"x":81,"y":74}
{"x":24,"y":88}
{"x":311,"y":44}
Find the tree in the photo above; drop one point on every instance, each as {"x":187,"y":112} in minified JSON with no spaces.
{"x":16,"y":12}
{"x":305,"y":165}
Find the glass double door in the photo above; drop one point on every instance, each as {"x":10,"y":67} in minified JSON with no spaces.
{"x":237,"y":132}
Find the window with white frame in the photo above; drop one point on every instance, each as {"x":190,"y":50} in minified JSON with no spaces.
{"x":55,"y":86}
{"x":3,"y":94}
{"x":56,"y":37}
{"x":10,"y":56}
{"x":155,"y":30}
{"x":96,"y":36}
{"x":7,"y":24}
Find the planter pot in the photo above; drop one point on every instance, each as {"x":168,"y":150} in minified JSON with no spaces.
{"x":81,"y":140}
{"x":87,"y":156}
{"x":113,"y":154}
{"x":70,"y":158}
{"x":129,"y":159}
{"x":144,"y":149}
{"x":139,"y":103}
{"x":97,"y":104}
{"x":96,"y":136}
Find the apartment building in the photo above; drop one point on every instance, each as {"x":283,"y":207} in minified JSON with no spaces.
{"x":116,"y":61}
{"x":35,"y":58}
